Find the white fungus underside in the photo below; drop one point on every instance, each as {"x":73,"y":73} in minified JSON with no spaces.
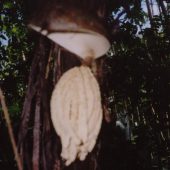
{"x":82,"y":44}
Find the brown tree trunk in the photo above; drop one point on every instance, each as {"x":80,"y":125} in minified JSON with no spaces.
{"x":38,"y":143}
{"x":149,"y":11}
{"x":152,"y":10}
{"x":165,"y":14}
{"x":164,"y":11}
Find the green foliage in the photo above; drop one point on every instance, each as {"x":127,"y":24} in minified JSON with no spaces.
{"x":13,"y":71}
{"x":14,"y":48}
{"x":139,"y":82}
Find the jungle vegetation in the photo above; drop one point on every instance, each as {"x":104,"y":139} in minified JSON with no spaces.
{"x":134,"y":79}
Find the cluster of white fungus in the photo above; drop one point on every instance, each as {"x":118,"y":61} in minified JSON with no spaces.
{"x":76,"y":112}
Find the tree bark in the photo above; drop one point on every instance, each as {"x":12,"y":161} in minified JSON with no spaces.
{"x":149,"y":11}
{"x":38,"y":143}
{"x":164,"y":11}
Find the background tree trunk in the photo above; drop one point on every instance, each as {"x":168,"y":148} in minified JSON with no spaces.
{"x":149,"y":11}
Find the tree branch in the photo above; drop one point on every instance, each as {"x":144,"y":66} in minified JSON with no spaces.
{"x":10,"y":131}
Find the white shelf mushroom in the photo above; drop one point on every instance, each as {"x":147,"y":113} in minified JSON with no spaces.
{"x":74,"y":29}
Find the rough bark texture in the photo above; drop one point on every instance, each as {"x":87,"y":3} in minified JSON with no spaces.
{"x":149,"y":11}
{"x":38,"y":143}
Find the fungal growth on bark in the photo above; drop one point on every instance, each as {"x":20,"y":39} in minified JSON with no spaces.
{"x":72,"y":28}
{"x":76,"y":109}
{"x":76,"y":112}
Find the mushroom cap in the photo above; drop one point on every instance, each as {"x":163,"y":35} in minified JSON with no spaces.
{"x":73,"y":29}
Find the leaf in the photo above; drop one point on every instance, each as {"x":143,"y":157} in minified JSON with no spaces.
{"x":8,"y":5}
{"x":14,"y":29}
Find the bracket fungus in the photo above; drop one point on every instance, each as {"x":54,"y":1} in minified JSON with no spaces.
{"x":74,"y":29}
{"x":76,"y":109}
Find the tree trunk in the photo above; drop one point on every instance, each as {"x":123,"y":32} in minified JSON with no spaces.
{"x":165,"y":14}
{"x":38,"y":143}
{"x":164,"y":11}
{"x":149,"y":11}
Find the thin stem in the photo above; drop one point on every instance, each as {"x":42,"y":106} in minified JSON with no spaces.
{"x":10,"y":131}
